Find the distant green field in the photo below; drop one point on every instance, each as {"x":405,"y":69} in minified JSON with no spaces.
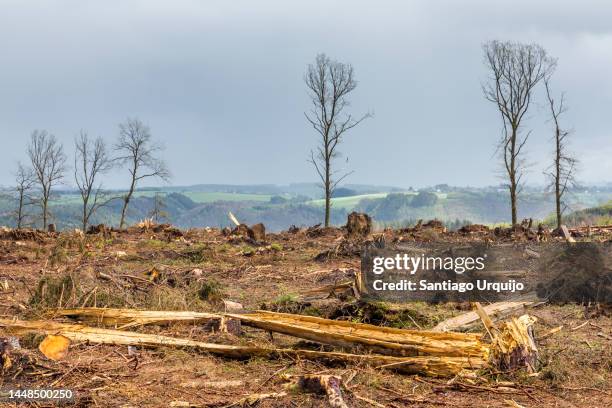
{"x":201,"y":197}
{"x":198,"y":197}
{"x":347,"y":203}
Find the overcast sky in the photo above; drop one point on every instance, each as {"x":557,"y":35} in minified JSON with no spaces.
{"x":221,"y":83}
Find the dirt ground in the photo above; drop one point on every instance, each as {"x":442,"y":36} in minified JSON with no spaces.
{"x":195,"y":270}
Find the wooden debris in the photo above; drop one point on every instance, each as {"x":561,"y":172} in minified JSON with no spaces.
{"x":232,"y":307}
{"x":146,"y":224}
{"x":217,"y":385}
{"x":54,"y":347}
{"x":329,"y":385}
{"x":431,"y":366}
{"x":126,"y":318}
{"x":330,"y":290}
{"x":183,"y":404}
{"x":413,"y":351}
{"x":514,"y":346}
{"x":580,"y":326}
{"x":5,"y":359}
{"x":513,"y":404}
{"x":77,"y":333}
{"x":566,"y":234}
{"x":369,"y":401}
{"x":233,"y":218}
{"x":495,"y":311}
{"x":382,"y":340}
{"x":550,"y":332}
{"x":254,"y":399}
{"x":486,"y":321}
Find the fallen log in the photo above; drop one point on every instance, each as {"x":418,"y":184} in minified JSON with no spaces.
{"x":432,"y":352}
{"x":328,"y":290}
{"x":430,"y":366}
{"x":470,"y":320}
{"x":125,"y":318}
{"x":382,"y":340}
{"x":77,"y":332}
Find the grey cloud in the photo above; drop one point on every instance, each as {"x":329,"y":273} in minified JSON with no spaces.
{"x":220,"y":82}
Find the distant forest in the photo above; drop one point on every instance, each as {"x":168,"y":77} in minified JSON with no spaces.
{"x":279,"y":207}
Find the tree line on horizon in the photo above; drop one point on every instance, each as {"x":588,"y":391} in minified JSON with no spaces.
{"x":516,"y":69}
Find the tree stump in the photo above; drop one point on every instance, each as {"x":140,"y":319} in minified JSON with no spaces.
{"x":358,"y":224}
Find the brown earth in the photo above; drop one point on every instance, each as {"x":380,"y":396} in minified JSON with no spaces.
{"x":162,"y":269}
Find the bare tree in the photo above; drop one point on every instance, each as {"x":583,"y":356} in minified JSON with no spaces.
{"x":516,"y":69}
{"x":24,"y":180}
{"x":329,"y":82}
{"x":137,"y":150}
{"x":48,"y":164}
{"x":158,"y":212}
{"x":564,"y":165}
{"x":91,"y":160}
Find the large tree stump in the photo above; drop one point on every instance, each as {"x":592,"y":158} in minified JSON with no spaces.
{"x":358,"y":224}
{"x":257,"y":232}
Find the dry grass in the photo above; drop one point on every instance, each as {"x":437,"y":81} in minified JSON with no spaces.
{"x":74,"y":271}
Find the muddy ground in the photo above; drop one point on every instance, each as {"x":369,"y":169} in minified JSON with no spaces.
{"x":195,"y":270}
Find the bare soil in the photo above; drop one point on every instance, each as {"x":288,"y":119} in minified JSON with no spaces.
{"x":164,"y":271}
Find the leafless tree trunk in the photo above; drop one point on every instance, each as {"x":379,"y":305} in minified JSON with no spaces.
{"x":90,"y":161}
{"x":24,"y":180}
{"x":516,"y":69}
{"x":329,"y":83}
{"x":159,"y":208}
{"x":137,"y":150}
{"x":48,"y":164}
{"x":564,"y":165}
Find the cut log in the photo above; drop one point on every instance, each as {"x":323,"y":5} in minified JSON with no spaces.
{"x":431,"y":353}
{"x":431,"y":366}
{"x":125,"y":318}
{"x":54,"y":347}
{"x":77,"y":333}
{"x":383,"y":340}
{"x":470,"y":320}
